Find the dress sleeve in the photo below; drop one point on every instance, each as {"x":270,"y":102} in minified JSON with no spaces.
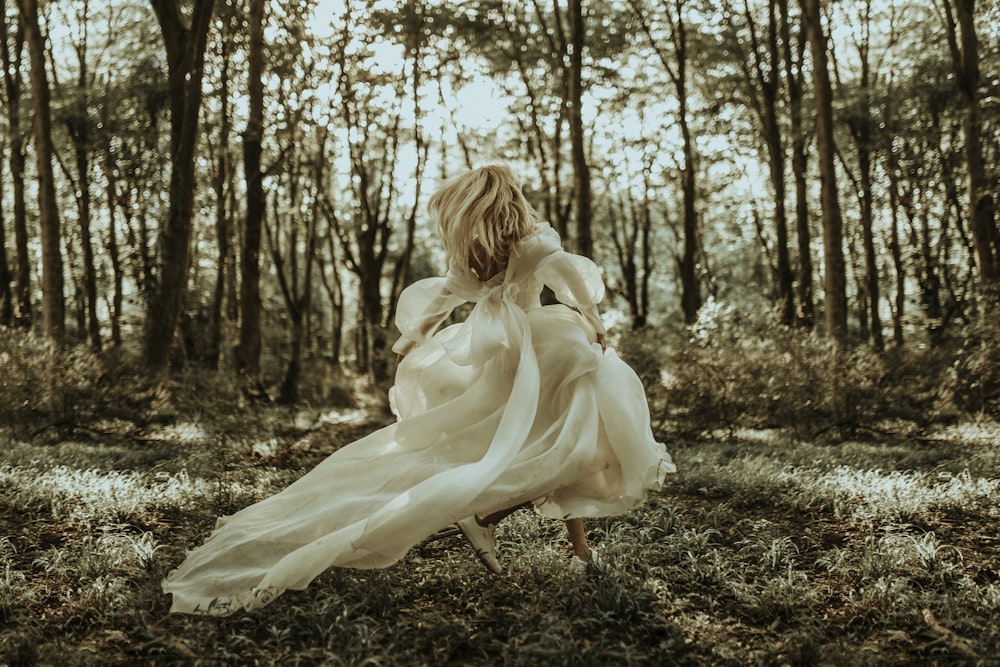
{"x":422,"y":307}
{"x":576,"y":281}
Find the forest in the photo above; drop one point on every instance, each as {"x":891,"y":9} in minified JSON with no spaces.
{"x":209,"y":208}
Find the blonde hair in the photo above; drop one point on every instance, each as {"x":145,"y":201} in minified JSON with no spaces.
{"x":481,"y":215}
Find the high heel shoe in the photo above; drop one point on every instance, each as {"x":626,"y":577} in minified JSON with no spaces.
{"x":483,"y":540}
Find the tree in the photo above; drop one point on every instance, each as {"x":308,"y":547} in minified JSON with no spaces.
{"x":537,"y":49}
{"x":792,"y":56}
{"x":369,"y":111}
{"x":861,"y":124}
{"x":223,"y":187}
{"x":248,"y":352}
{"x":924,"y":180}
{"x":526,"y":48}
{"x":415,"y":37}
{"x":835,"y":277}
{"x":676,"y":69}
{"x":12,"y":86}
{"x":293,"y":256}
{"x":329,"y":274}
{"x":762,"y":71}
{"x":185,"y":46}
{"x":631,"y":233}
{"x":135,"y":163}
{"x":6,"y":296}
{"x":53,"y":300}
{"x":78,"y":124}
{"x":963,"y":46}
{"x":114,"y":254}
{"x":132,"y":168}
{"x":898,"y":301}
{"x":581,"y":172}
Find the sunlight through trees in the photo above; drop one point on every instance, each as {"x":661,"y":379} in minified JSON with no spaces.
{"x":252,"y":176}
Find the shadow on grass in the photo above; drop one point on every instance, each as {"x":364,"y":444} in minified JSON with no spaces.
{"x":762,"y":550}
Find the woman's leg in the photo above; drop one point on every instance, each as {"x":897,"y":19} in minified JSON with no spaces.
{"x":574,"y":528}
{"x":578,"y":538}
{"x":481,"y":534}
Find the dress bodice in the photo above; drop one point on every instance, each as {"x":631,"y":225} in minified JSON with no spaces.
{"x":537,"y":260}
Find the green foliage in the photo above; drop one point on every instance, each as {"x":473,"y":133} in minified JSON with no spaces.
{"x":736,"y":370}
{"x":46,"y":388}
{"x":974,"y":381}
{"x":58,"y":393}
{"x":762,"y":550}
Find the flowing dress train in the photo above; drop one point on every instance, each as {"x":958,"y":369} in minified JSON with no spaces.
{"x":517,"y":403}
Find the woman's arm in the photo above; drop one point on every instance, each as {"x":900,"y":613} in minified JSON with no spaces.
{"x":422,"y":307}
{"x":576,"y":282}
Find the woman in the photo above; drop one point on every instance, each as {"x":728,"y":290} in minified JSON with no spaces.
{"x":520,"y":403}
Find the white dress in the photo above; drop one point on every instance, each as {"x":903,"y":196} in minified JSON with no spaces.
{"x":517,"y":403}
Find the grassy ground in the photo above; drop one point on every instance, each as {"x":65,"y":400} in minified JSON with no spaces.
{"x":761,"y":551}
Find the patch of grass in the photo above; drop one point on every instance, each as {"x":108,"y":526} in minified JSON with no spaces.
{"x":763,"y":550}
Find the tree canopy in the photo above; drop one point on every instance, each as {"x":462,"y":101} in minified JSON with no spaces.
{"x":253,"y":175}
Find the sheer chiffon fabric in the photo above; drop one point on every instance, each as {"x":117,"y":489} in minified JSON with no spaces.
{"x":517,"y":403}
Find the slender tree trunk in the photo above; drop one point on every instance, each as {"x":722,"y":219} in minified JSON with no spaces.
{"x":691,"y":285}
{"x":23,"y":315}
{"x":805,"y":313}
{"x":288,"y":393}
{"x":335,"y":292}
{"x":12,"y":86}
{"x":895,"y":246}
{"x":374,"y":335}
{"x":53,"y":299}
{"x":776,"y":162}
{"x":185,"y":47}
{"x":691,"y":295}
{"x":401,"y":271}
{"x":79,"y":130}
{"x":871,"y":275}
{"x":6,"y":295}
{"x":647,"y":264}
{"x":861,"y":130}
{"x":676,"y":68}
{"x":581,"y":171}
{"x":835,"y":275}
{"x":112,"y":248}
{"x":930,"y":283}
{"x":248,"y":353}
{"x":763,"y":76}
{"x":624,"y":238}
{"x":146,"y":271}
{"x":963,"y":44}
{"x":223,"y":232}
{"x":86,"y":244}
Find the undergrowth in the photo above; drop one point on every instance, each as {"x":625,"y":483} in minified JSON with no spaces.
{"x":732,"y":370}
{"x":764,"y":549}
{"x":831,"y":507}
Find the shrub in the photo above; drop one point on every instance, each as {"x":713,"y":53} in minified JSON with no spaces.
{"x":739,"y":371}
{"x":974,"y":381}
{"x":645,"y":350}
{"x":43,"y":386}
